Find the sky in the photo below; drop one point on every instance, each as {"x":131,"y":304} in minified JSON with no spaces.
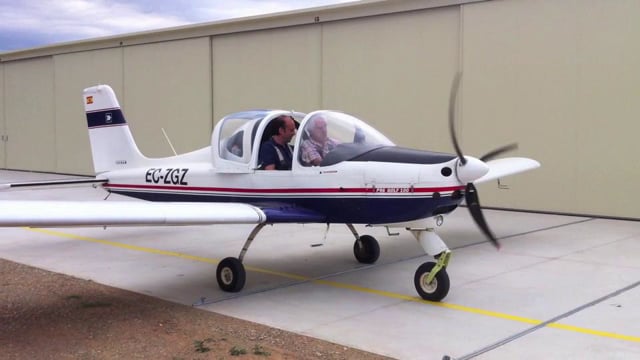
{"x":32,"y":23}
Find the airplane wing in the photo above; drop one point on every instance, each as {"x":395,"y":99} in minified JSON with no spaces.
{"x":500,"y":168}
{"x":51,"y":213}
{"x":54,"y":213}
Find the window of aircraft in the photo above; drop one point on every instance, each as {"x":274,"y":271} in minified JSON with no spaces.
{"x":330,"y":137}
{"x":236,"y":135}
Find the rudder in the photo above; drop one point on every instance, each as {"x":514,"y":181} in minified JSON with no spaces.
{"x":112,"y":144}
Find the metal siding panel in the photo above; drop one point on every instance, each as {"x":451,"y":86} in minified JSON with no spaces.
{"x":29,"y":102}
{"x":73,"y":73}
{"x":558,"y":77}
{"x":3,"y":127}
{"x":608,"y":110}
{"x":167,"y":85}
{"x":394,"y":71}
{"x":272,"y":69}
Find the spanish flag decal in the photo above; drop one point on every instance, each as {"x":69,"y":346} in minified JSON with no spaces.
{"x":89,"y":100}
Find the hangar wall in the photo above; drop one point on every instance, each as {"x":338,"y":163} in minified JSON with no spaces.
{"x":557,"y":76}
{"x":272,"y":69}
{"x":73,"y":73}
{"x":401,"y":87}
{"x":561,"y":78}
{"x":2,"y":122}
{"x":29,"y":114}
{"x":167,"y":86}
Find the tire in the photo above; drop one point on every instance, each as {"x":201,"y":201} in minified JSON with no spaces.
{"x":366,"y":249}
{"x":439,"y":287}
{"x":231,"y":275}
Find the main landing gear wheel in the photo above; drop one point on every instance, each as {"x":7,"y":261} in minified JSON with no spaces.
{"x":366,"y":249}
{"x":231,"y":275}
{"x":437,"y":289}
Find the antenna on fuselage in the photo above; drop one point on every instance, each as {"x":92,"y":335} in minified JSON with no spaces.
{"x":169,"y":141}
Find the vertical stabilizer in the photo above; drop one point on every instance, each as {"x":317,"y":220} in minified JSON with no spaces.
{"x":112,"y":145}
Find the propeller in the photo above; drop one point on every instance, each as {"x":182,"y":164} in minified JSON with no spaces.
{"x":473,"y":204}
{"x":469,"y":169}
{"x":495,"y":153}
{"x":452,"y":114}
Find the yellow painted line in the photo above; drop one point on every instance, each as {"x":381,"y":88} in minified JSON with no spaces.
{"x":160,"y":252}
{"x":418,"y":299}
{"x":124,"y":246}
{"x":594,"y":332}
{"x":340,"y":285}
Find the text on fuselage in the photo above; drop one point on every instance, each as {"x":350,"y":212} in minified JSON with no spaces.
{"x":393,"y":190}
{"x":169,"y":176}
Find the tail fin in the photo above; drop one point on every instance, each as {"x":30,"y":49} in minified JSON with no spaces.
{"x":112,"y":144}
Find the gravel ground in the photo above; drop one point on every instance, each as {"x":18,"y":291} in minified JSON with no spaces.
{"x":45,"y":315}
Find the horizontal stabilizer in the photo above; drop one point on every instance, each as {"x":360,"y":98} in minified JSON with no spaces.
{"x":124,"y":213}
{"x":508,"y":166}
{"x":47,"y":183}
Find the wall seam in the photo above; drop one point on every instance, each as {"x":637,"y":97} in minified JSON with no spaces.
{"x":460,"y":68}
{"x":123,"y":97}
{"x":55,"y":114}
{"x":212,"y":120}
{"x":5,"y":137}
{"x":321,"y":70}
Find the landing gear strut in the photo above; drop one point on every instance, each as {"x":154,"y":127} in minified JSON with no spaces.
{"x":366,"y":248}
{"x":230,"y":273}
{"x":431,"y":279}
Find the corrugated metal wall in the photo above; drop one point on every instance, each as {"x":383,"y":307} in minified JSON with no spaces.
{"x":562,"y":79}
{"x":558,"y":76}
{"x":72,"y":73}
{"x":29,"y":114}
{"x":3,"y":108}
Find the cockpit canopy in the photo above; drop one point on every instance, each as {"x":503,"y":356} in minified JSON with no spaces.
{"x":333,"y":136}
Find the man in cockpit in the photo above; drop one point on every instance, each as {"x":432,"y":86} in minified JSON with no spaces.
{"x":317,"y":143}
{"x":276,"y":153}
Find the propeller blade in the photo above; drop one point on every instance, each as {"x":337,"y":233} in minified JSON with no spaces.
{"x":473,"y":203}
{"x":492,"y":154}
{"x":452,"y":109}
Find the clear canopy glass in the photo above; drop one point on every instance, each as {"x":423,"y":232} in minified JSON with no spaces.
{"x":330,"y":137}
{"x":325,"y":138}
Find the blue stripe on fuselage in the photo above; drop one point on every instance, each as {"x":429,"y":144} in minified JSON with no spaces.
{"x":353,"y":210}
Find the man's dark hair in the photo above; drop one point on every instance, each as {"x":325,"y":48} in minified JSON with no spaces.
{"x":278,"y":123}
{"x":274,"y":126}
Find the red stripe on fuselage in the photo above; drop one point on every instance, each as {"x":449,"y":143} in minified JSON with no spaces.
{"x":279,"y":191}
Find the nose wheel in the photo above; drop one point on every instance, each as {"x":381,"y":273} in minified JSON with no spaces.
{"x":431,"y":279}
{"x":428,"y":286}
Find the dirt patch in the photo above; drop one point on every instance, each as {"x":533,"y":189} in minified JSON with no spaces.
{"x":44,"y":315}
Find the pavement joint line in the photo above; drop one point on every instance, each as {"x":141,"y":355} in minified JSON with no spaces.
{"x":526,"y":233}
{"x":548,"y":228}
{"x":552,"y":323}
{"x":538,"y":323}
{"x":296,"y":282}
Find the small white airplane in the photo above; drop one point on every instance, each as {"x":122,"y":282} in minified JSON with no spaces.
{"x":363,"y":179}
